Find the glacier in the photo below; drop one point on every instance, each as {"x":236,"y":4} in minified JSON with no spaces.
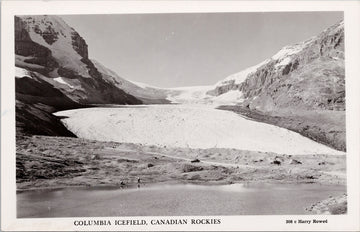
{"x":193,"y":126}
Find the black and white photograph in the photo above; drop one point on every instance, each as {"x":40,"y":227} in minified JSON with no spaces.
{"x":192,"y":115}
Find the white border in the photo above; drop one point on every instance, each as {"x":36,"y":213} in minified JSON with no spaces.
{"x":9,"y":222}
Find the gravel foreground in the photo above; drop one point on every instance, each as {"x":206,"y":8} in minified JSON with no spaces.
{"x":53,"y":162}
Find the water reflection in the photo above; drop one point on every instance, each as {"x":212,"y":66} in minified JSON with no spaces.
{"x":174,"y":200}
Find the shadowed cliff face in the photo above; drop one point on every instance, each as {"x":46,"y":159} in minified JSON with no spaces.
{"x":79,"y":45}
{"x":309,"y":75}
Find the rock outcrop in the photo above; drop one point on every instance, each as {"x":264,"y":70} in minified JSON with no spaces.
{"x":79,"y":45}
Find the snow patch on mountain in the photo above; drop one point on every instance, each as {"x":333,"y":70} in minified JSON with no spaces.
{"x":240,"y":77}
{"x":284,"y":62}
{"x":61,"y":81}
{"x":283,"y":57}
{"x":20,"y":73}
{"x":287,"y":51}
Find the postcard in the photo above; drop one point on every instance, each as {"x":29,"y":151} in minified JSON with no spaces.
{"x":180,"y":115}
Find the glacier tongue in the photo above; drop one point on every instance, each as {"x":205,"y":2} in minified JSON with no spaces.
{"x":187,"y":126}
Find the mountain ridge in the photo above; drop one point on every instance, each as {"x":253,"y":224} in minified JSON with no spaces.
{"x":321,"y":55}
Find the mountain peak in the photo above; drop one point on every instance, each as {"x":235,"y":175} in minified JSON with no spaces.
{"x":53,"y":33}
{"x":52,"y":28}
{"x":56,"y":55}
{"x":48,"y":27}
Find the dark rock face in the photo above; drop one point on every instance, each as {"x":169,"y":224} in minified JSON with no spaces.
{"x":21,"y":34}
{"x":36,"y":100}
{"x":34,"y":90}
{"x":37,"y":119}
{"x":230,"y":85}
{"x":79,"y":45}
{"x":49,"y":34}
{"x":37,"y":53}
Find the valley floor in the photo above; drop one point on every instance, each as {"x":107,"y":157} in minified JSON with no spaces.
{"x":52,"y":162}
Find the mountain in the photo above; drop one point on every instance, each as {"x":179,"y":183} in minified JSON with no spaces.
{"x":55,"y":52}
{"x":309,"y":75}
{"x":53,"y":72}
{"x":146,"y":93}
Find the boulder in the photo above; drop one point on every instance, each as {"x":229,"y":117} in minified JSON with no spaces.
{"x":294,"y":161}
{"x":191,"y":168}
{"x":150,"y":165}
{"x":276,"y":162}
{"x":195,"y":161}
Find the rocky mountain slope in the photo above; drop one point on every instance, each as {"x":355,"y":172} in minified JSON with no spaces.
{"x":146,"y":93}
{"x":308,"y":75}
{"x":53,"y":69}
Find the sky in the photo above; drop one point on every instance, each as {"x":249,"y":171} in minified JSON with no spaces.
{"x":187,"y":49}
